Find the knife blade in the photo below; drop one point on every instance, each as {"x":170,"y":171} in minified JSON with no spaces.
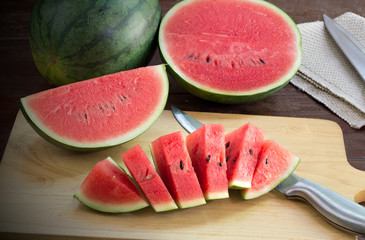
{"x":336,"y":209}
{"x":350,"y":46}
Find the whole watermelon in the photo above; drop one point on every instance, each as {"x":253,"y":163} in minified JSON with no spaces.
{"x":77,"y":40}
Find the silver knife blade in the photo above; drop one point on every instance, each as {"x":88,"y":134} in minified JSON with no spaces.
{"x":288,"y":183}
{"x":350,"y":46}
{"x":189,"y":123}
{"x":336,"y":209}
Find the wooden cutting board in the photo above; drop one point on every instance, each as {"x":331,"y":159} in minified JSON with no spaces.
{"x":38,"y":180}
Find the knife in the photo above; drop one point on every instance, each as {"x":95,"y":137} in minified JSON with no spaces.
{"x":336,"y":209}
{"x":350,"y":46}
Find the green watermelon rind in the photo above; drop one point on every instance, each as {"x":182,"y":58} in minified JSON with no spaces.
{"x":112,"y":208}
{"x":165,"y":207}
{"x":216,"y":195}
{"x":220,"y":96}
{"x":55,"y":139}
{"x":76,"y":41}
{"x":236,"y":184}
{"x":269,"y":187}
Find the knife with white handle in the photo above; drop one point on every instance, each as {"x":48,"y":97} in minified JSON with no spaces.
{"x":336,"y":209}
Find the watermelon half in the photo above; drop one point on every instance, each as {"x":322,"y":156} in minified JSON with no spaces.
{"x":107,"y":188}
{"x":100,"y":112}
{"x":274,"y":165}
{"x":230,"y":51}
{"x":144,"y":173}
{"x":207,"y":153}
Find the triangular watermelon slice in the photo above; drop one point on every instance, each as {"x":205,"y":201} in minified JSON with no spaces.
{"x":174,"y":165}
{"x":149,"y":181}
{"x":100,"y":112}
{"x":207,"y":152}
{"x":274,"y":165}
{"x":107,"y":188}
{"x":242,"y":149}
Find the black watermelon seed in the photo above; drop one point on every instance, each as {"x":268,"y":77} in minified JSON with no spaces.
{"x":181,"y":165}
{"x":227,"y":144}
{"x":262,"y":61}
{"x":220,"y":164}
{"x":234,"y":160}
{"x":266,"y":161}
{"x":250,"y":151}
{"x":208,"y":158}
{"x":85,"y":116}
{"x":227,"y":158}
{"x":208,"y":59}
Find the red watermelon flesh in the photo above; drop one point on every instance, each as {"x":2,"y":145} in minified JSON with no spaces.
{"x":149,"y":181}
{"x":230,"y":50}
{"x":108,"y":188}
{"x":274,"y":165}
{"x":242,"y":149}
{"x":99,"y":112}
{"x":175,"y":168}
{"x":207,"y":153}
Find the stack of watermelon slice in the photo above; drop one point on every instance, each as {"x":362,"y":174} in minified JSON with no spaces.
{"x":189,"y":171}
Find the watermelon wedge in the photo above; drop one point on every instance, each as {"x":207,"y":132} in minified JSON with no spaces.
{"x":207,"y":153}
{"x":230,"y":51}
{"x":149,"y":181}
{"x":107,"y":188}
{"x":100,"y":112}
{"x":242,"y":149}
{"x":175,"y":168}
{"x":274,"y":165}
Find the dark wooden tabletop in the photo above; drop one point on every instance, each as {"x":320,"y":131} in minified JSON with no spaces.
{"x":19,"y":77}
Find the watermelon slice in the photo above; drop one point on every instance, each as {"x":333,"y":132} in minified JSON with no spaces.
{"x":175,"y":168}
{"x":275,"y":164}
{"x":207,"y":152}
{"x":230,"y":51}
{"x":242,"y":149}
{"x":100,"y":112}
{"x":149,"y":181}
{"x":107,"y":188}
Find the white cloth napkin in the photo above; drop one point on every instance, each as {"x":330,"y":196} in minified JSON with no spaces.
{"x":327,"y":75}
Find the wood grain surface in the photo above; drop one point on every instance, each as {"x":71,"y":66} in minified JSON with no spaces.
{"x":19,"y":77}
{"x":38,"y":180}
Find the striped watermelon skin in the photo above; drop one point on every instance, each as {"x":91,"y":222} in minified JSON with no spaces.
{"x":77,"y":40}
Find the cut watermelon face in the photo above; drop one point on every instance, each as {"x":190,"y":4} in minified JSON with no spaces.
{"x":100,"y":112}
{"x":230,"y":51}
{"x":107,"y":188}
{"x":175,"y":168}
{"x":242,"y":149}
{"x":207,"y":152}
{"x":274,"y":165}
{"x":148,"y":180}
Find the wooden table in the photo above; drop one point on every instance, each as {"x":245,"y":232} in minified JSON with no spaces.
{"x":19,"y":77}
